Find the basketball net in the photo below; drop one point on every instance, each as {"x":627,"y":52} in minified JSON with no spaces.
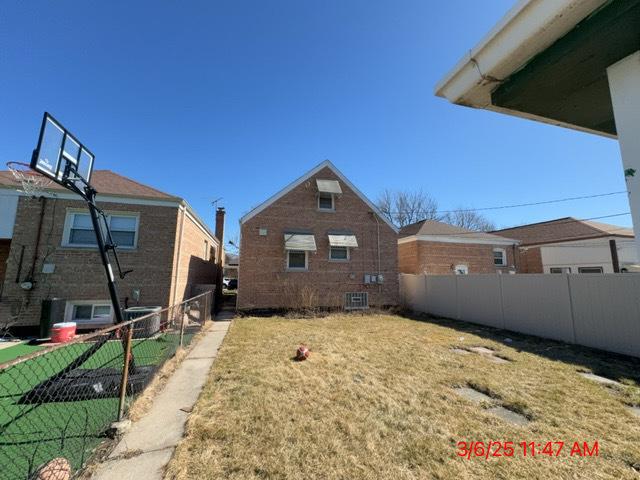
{"x":32,"y":183}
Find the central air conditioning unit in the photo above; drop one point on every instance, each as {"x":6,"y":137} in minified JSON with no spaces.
{"x":356,"y":301}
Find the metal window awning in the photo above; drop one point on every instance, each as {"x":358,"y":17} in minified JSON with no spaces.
{"x":328,"y":186}
{"x":343,"y":241}
{"x":299,"y":241}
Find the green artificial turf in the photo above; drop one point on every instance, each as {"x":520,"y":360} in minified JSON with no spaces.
{"x":32,"y":434}
{"x":18,"y":350}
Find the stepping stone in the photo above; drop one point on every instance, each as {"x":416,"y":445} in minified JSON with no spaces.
{"x":482,"y":350}
{"x":509,"y":416}
{"x":634,"y":411}
{"x":461,"y":351}
{"x":473,"y":395}
{"x":599,"y":379}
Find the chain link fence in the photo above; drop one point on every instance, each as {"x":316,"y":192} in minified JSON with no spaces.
{"x":57,"y":404}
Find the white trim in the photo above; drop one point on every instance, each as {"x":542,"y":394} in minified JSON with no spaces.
{"x":333,"y":202}
{"x":529,"y":28}
{"x":304,"y":177}
{"x":100,"y":198}
{"x":457,"y":239}
{"x":504,"y":262}
{"x":68,"y":311}
{"x":68,"y":221}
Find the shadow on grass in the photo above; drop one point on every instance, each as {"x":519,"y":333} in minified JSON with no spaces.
{"x":606,"y":364}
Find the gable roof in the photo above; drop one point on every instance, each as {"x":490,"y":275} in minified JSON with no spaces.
{"x":105,"y":182}
{"x":306,"y":176}
{"x":435,"y":231}
{"x":564,"y":230}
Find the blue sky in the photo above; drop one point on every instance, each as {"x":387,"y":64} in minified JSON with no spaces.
{"x":235,"y":99}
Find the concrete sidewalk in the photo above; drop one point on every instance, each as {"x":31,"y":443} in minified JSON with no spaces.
{"x":143,"y":451}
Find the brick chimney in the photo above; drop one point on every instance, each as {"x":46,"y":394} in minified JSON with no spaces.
{"x":220,"y":224}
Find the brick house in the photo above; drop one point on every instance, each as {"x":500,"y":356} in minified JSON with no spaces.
{"x":48,"y":250}
{"x":569,"y":245}
{"x":319,"y":242}
{"x":437,"y":248}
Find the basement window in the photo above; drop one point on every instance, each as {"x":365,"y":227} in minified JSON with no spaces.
{"x":590,"y":270}
{"x":84,"y":312}
{"x":560,"y":270}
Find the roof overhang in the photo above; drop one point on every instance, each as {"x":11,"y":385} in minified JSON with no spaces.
{"x":546,"y":60}
{"x":461,"y":238}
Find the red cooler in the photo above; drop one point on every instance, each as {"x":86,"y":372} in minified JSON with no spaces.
{"x":63,"y":332}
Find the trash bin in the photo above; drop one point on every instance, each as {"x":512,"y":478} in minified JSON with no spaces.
{"x":147,"y":327}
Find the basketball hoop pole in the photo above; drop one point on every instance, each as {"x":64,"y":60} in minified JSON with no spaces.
{"x":113,"y":293}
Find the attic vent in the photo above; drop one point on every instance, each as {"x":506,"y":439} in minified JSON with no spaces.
{"x":356,"y":301}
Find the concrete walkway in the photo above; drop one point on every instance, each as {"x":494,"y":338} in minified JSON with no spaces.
{"x":147,"y":447}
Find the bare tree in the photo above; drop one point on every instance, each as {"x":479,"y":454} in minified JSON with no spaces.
{"x":405,"y":207}
{"x":469,"y":218}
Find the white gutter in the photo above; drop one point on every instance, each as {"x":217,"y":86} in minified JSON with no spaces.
{"x":527,"y":29}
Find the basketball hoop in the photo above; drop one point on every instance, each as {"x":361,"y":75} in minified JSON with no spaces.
{"x":32,"y":183}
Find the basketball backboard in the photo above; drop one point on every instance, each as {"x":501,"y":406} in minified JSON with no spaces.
{"x":60,"y":156}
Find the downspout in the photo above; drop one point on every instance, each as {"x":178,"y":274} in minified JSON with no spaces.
{"x":378,"y":250}
{"x":36,"y":250}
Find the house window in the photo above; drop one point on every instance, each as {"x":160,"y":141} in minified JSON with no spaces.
{"x":90,"y":312}
{"x":499,"y":257}
{"x":78,"y":230}
{"x":339,"y":253}
{"x":325,"y":201}
{"x":590,"y":270}
{"x":297,"y":260}
{"x":462,"y":270}
{"x":560,"y":270}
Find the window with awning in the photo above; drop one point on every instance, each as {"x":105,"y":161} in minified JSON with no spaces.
{"x":328,"y":186}
{"x":343,"y":241}
{"x":300,"y":241}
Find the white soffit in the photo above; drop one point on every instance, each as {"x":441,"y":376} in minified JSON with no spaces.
{"x":343,"y":241}
{"x":299,"y":241}
{"x":527,"y":29}
{"x":328,"y":186}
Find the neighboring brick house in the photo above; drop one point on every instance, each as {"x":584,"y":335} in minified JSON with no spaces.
{"x":569,"y":245}
{"x":437,"y":248}
{"x":49,"y":243}
{"x":319,"y":242}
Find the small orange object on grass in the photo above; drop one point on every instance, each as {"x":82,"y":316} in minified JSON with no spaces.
{"x":302,"y":353}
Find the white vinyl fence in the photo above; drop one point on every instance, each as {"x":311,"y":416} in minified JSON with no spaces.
{"x":595,"y":310}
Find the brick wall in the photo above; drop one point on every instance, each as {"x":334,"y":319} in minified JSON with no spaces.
{"x":79,"y":274}
{"x":192,"y":268}
{"x":263,"y":279}
{"x":531,"y":260}
{"x":439,"y":258}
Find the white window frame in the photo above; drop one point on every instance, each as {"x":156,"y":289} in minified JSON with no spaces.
{"x":463,"y":267}
{"x":333,"y":202}
{"x":580,"y":270}
{"x":68,"y":223}
{"x":70,"y":306}
{"x":339,"y":259}
{"x":298,"y":269}
{"x":562,"y":270}
{"x":503,"y":252}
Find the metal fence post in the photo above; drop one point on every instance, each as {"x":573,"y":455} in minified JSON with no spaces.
{"x":181,"y":311}
{"x":125,"y":372}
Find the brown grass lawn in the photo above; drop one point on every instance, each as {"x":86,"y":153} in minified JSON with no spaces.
{"x":376,"y":400}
